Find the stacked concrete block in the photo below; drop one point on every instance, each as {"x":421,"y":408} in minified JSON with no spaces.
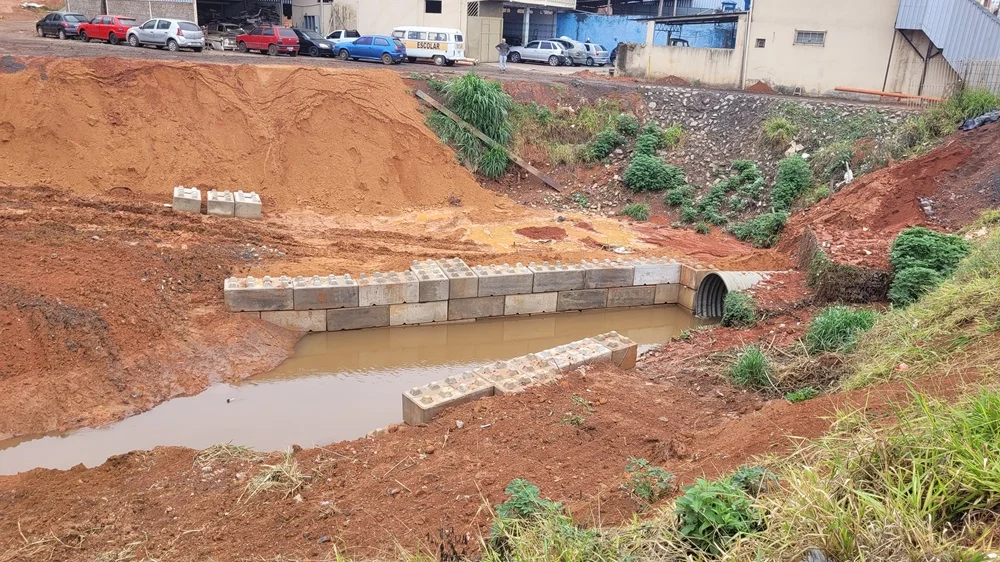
{"x":686,"y":297}
{"x":624,"y":351}
{"x":423,"y":403}
{"x":585,"y":299}
{"x":534,"y":303}
{"x":253,"y":294}
{"x":515,"y":375}
{"x":320,"y":293}
{"x":691,"y":277}
{"x":357,"y":318}
{"x":606,"y":274}
{"x":498,"y":280}
{"x":462,"y":281}
{"x":479,"y":307}
{"x":388,"y":288}
{"x":418,"y":313}
{"x":434,"y":284}
{"x":297,"y":320}
{"x":221,"y":203}
{"x":576,"y":354}
{"x":656,"y":271}
{"x":187,"y":199}
{"x":631,"y":296}
{"x":247,"y":205}
{"x":667,"y":294}
{"x":557,"y":277}
{"x":470,"y":386}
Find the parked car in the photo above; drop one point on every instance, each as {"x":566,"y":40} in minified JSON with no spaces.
{"x":112,"y":29}
{"x":172,"y":34}
{"x":596,"y":54}
{"x":575,"y":50}
{"x":313,"y":44}
{"x":222,"y":36}
{"x":61,"y":24}
{"x":342,"y":35}
{"x":539,"y":51}
{"x":270,"y":40}
{"x":442,"y":45}
{"x":387,"y":49}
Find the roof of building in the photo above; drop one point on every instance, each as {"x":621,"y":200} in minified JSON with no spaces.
{"x":722,"y":17}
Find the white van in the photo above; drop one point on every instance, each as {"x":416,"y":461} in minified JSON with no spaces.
{"x":442,"y":45}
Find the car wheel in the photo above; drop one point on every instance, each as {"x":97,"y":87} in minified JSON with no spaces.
{"x":344,"y":55}
{"x":450,"y":63}
{"x":38,"y":30}
{"x":133,"y":40}
{"x":590,"y":61}
{"x":440,"y":60}
{"x":293,"y":54}
{"x":602,"y":64}
{"x":62,"y":34}
{"x":172,"y":45}
{"x":197,"y":49}
{"x":112,"y":39}
{"x":83,"y":37}
{"x":314,"y":51}
{"x":514,"y":57}
{"x":386,"y":58}
{"x":553,"y":60}
{"x":411,"y":59}
{"x":272,"y":50}
{"x":242,"y":47}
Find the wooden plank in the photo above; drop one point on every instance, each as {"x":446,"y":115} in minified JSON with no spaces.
{"x":490,"y":142}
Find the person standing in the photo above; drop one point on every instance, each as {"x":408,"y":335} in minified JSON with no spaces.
{"x":504,"y":49}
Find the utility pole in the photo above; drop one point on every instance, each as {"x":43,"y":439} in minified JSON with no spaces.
{"x":659,"y":12}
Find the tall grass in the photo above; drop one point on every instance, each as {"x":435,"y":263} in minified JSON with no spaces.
{"x":637,"y":211}
{"x":751,"y":369}
{"x":837,"y":328}
{"x":482,"y":103}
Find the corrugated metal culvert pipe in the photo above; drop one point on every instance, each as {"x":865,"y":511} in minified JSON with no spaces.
{"x":714,"y":287}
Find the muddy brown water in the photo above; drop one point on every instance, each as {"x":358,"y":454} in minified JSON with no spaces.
{"x":336,"y":386}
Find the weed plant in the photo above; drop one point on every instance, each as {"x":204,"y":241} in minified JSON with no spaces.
{"x":739,"y":310}
{"x":604,"y":144}
{"x":636,"y":211}
{"x":647,"y":144}
{"x":751,"y":369}
{"x":494,"y":162}
{"x":779,"y":132}
{"x":627,"y":124}
{"x":836,"y":329}
{"x":793,"y":177}
{"x":802,"y":394}
{"x":647,"y":482}
{"x":648,"y":173}
{"x":762,"y":231}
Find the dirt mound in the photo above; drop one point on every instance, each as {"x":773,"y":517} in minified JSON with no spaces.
{"x":542,"y":232}
{"x":331,"y":140}
{"x":760,"y":87}
{"x":956,"y":181}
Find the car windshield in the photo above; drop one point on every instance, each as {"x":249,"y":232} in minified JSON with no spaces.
{"x":75,"y":18}
{"x":286,"y":32}
{"x":188,"y":26}
{"x":128,"y":21}
{"x":311,"y":34}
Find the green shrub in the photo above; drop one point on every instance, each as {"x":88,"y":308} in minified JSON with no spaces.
{"x":604,"y":144}
{"x":922,"y":247}
{"x":647,"y":144}
{"x":638,"y":211}
{"x":739,"y":310}
{"x":673,"y":136}
{"x":712,"y":514}
{"x":468,"y":147}
{"x":525,"y":502}
{"x":702,"y":228}
{"x":974,"y":102}
{"x":651,"y":128}
{"x":837,"y":328}
{"x":627,"y":124}
{"x":482,"y":103}
{"x":779,"y":131}
{"x":648,"y":173}
{"x":680,"y":196}
{"x":912,"y":283}
{"x":581,"y":200}
{"x":646,"y":481}
{"x":753,"y":480}
{"x":688,"y":214}
{"x":794,"y":176}
{"x":762,"y":231}
{"x":494,"y":162}
{"x":801,"y":395}
{"x":752,"y":369}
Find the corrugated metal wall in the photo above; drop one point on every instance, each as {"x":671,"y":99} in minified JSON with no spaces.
{"x":962,"y":29}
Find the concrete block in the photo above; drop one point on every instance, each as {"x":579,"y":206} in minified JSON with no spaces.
{"x":503,"y":279}
{"x":462,"y":282}
{"x":470,"y":386}
{"x":221,"y":203}
{"x":585,"y":299}
{"x":388,"y":288}
{"x":250,"y":293}
{"x":423,"y":403}
{"x":576,"y":354}
{"x":331,"y":291}
{"x":297,"y":320}
{"x":187,"y":199}
{"x":557,"y":277}
{"x":250,"y":314}
{"x":515,"y":375}
{"x":691,"y":276}
{"x":607,"y":273}
{"x":686,"y":296}
{"x":357,"y":318}
{"x":479,"y":307}
{"x":631,"y":296}
{"x":434,"y":283}
{"x":667,"y":294}
{"x":534,"y":303}
{"x":624,"y":351}
{"x":247,"y":205}
{"x":656,"y":271}
{"x":418,"y":313}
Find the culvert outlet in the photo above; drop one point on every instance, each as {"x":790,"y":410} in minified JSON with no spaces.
{"x":714,"y":287}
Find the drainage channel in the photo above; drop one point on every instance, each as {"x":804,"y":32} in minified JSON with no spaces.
{"x":336,"y":386}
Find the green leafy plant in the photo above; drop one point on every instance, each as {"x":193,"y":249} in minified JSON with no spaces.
{"x":637,"y":211}
{"x":802,"y":394}
{"x":837,"y":328}
{"x":779,"y":131}
{"x":922,"y":247}
{"x":646,"y":481}
{"x":762,"y":231}
{"x":468,"y":148}
{"x":604,"y":144}
{"x":794,"y":176}
{"x":751,"y":369}
{"x":581,"y":200}
{"x":688,"y":214}
{"x":684,"y":335}
{"x":753,"y":480}
{"x":494,"y":162}
{"x":525,"y":502}
{"x":739,"y":310}
{"x":712,"y":514}
{"x":647,"y":144}
{"x":912,"y":283}
{"x":680,"y":196}
{"x":650,"y":128}
{"x":482,"y":103}
{"x":702,"y":228}
{"x":627,"y":124}
{"x":673,"y":136}
{"x":648,"y":173}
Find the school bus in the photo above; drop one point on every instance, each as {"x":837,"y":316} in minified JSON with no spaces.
{"x":442,"y":45}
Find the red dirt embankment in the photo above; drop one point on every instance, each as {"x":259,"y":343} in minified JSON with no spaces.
{"x":303,"y":137}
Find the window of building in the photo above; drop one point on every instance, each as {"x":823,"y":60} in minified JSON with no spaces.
{"x":760,"y":43}
{"x":432,"y":6}
{"x":810,"y":38}
{"x":309,"y":23}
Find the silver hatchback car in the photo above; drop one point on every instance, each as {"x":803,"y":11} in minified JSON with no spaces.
{"x":172,"y":34}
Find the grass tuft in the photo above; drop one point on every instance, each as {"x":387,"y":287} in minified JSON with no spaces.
{"x":285,"y":478}
{"x":494,"y":162}
{"x":762,"y":231}
{"x":779,"y":132}
{"x":751,"y":369}
{"x":637,"y":211}
{"x":837,"y":328}
{"x":223,"y":453}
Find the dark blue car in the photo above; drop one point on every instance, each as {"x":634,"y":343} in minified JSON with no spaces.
{"x":387,"y":49}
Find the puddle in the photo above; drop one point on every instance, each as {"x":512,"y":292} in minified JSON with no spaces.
{"x":336,"y":386}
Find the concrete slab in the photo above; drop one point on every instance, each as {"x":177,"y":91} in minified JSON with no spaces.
{"x":388,"y":288}
{"x":631,"y":296}
{"x":434,"y":284}
{"x":691,"y":276}
{"x":667,"y":294}
{"x":606,"y":274}
{"x":187,"y":199}
{"x":656,"y":271}
{"x":685,"y":298}
{"x":624,"y":351}
{"x":247,"y":205}
{"x":297,"y":320}
{"x":462,"y":281}
{"x":331,"y":291}
{"x":585,"y":299}
{"x":357,"y":318}
{"x":258,"y":294}
{"x":503,"y":279}
{"x":424,"y":403}
{"x":479,"y":307}
{"x":418,"y":313}
{"x":220,"y":203}
{"x":534,"y":303}
{"x":556,"y":277}
{"x":515,"y":375}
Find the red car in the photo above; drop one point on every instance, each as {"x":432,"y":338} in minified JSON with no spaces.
{"x":107,"y":28}
{"x":270,"y":39}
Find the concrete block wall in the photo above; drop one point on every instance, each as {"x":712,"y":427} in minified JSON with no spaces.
{"x":450,"y":290}
{"x":423,"y":403}
{"x":143,"y":11}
